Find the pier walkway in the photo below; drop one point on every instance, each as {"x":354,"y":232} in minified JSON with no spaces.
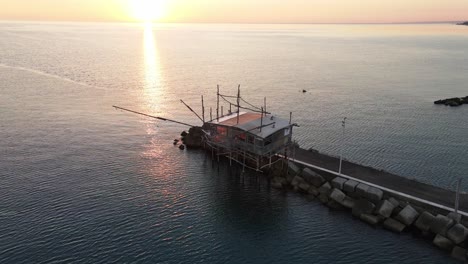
{"x":389,"y":182}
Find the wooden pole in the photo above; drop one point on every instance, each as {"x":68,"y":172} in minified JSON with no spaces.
{"x":290,"y":117}
{"x":156,"y":117}
{"x":457,"y":196}
{"x":203,"y":108}
{"x":261,"y":121}
{"x":190,"y":108}
{"x":217,"y":105}
{"x":222,"y":111}
{"x":238,"y":103}
{"x":264,"y":105}
{"x":211,"y":113}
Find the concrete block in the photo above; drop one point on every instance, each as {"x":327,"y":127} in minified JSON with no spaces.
{"x":338,"y":183}
{"x":325,"y":188}
{"x":293,"y":169}
{"x":457,"y":233}
{"x":334,"y":205}
{"x":313,"y":191}
{"x":393,"y":225}
{"x":374,"y":194}
{"x":443,"y":242}
{"x":385,"y":209}
{"x":362,"y":206}
{"x":278,"y":182}
{"x":361,"y":190}
{"x":304,"y":187}
{"x":348,"y":202}
{"x":459,"y":253}
{"x":289,"y":178}
{"x":323,"y":198}
{"x":424,"y":221}
{"x":456,"y":217}
{"x":296,"y":181}
{"x":394,"y":201}
{"x":408,"y":215}
{"x":312,"y":177}
{"x":337,"y":195}
{"x":370,"y":219}
{"x":350,"y":186}
{"x":441,"y":225}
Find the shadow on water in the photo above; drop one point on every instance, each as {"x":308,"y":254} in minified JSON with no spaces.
{"x":244,"y":200}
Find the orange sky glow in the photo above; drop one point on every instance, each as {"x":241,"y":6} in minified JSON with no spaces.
{"x":236,"y":11}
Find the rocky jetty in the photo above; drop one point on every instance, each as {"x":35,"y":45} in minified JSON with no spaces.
{"x":193,"y":138}
{"x":376,"y":207}
{"x":463,"y":23}
{"x":456,"y":101}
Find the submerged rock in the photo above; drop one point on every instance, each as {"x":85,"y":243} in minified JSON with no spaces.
{"x":459,"y":253}
{"x":194,"y":138}
{"x":456,"y":101}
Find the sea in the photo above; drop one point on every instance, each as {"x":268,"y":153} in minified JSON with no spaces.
{"x":81,"y":182}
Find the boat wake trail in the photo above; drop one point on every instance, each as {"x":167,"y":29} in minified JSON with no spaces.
{"x":50,"y":75}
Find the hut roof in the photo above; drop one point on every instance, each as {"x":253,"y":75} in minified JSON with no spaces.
{"x":251,"y":122}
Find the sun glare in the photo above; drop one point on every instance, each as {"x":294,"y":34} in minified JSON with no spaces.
{"x":148,"y":10}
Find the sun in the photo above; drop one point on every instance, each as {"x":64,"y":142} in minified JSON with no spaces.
{"x":148,"y":10}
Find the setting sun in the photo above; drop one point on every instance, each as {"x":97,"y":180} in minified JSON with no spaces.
{"x":148,"y":10}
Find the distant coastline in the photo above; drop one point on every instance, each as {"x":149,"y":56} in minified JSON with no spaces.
{"x":463,"y":23}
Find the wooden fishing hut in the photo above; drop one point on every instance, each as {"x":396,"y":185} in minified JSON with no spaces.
{"x":248,"y":135}
{"x":252,"y":138}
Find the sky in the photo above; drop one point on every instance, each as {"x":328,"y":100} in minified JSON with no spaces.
{"x":237,"y":11}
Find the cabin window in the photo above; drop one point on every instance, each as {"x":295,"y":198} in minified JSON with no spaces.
{"x":241,"y":137}
{"x":250,"y":139}
{"x":221,"y":131}
{"x":286,"y":132}
{"x":268,"y":140}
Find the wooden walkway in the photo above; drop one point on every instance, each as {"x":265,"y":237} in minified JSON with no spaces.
{"x":398,"y":184}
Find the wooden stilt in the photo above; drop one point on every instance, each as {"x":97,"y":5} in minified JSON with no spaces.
{"x":217,"y":106}
{"x":203,"y":108}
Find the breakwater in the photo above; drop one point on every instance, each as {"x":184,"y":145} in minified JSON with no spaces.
{"x":376,"y":205}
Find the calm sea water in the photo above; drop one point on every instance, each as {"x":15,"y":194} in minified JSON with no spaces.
{"x":81,"y":182}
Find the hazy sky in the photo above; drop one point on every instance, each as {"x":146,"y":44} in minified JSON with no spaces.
{"x":250,"y":11}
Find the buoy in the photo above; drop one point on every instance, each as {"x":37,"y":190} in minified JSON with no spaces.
{"x":182,"y":147}
{"x":304,"y":91}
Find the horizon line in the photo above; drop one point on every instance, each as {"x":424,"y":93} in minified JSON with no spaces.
{"x":234,"y":23}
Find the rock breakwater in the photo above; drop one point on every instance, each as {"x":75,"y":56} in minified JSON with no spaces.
{"x":447,"y":230}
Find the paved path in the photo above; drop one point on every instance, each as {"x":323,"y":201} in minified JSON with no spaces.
{"x":381,"y":178}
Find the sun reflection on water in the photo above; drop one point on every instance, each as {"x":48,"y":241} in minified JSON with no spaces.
{"x":152,"y":91}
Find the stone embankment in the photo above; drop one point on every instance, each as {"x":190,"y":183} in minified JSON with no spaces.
{"x":378,"y":208}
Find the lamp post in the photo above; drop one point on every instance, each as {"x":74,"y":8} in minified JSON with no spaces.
{"x":343,"y":124}
{"x":457,"y":196}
